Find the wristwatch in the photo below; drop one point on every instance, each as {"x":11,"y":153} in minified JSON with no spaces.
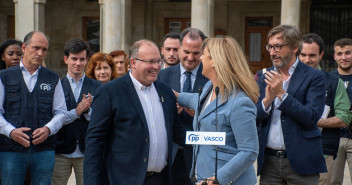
{"x":87,"y":111}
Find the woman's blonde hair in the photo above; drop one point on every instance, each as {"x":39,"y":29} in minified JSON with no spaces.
{"x":231,"y":67}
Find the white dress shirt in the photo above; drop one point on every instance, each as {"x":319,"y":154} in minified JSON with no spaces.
{"x":183,"y":76}
{"x":154,"y":114}
{"x":275,"y":136}
{"x":59,"y":105}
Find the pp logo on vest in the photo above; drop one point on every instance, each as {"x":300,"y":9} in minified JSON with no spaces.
{"x":45,"y":87}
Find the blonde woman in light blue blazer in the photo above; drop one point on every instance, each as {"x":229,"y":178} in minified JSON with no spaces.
{"x":225,"y":65}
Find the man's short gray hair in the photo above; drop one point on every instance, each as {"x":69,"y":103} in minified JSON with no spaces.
{"x":28,"y":37}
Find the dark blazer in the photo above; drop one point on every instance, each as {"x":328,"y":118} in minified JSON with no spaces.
{"x":300,"y":112}
{"x":171,"y":77}
{"x":118,"y":133}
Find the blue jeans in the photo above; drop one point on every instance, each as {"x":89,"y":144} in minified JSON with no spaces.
{"x":14,"y":167}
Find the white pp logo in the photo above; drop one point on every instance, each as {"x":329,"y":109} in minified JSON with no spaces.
{"x":45,"y":87}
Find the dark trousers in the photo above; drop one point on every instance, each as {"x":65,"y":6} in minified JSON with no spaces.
{"x":180,"y":172}
{"x":157,"y":178}
{"x":278,"y":171}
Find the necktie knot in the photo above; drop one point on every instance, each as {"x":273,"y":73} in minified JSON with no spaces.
{"x":188,"y":73}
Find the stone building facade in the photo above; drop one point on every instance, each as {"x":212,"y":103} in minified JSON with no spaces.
{"x":114,"y":24}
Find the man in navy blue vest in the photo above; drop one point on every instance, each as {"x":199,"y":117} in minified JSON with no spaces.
{"x":343,"y":58}
{"x":337,"y":103}
{"x":32,"y":110}
{"x":78,"y":90}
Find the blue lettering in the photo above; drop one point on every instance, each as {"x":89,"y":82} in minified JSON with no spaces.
{"x":193,"y":137}
{"x":208,"y":138}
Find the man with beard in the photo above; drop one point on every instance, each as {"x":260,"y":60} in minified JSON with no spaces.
{"x":185,"y":77}
{"x":169,"y":49}
{"x":291,"y":102}
{"x":343,"y":57}
{"x":337,"y":103}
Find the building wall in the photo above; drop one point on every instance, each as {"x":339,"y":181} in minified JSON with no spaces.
{"x":63,"y":20}
{"x":7,"y":8}
{"x":163,"y":10}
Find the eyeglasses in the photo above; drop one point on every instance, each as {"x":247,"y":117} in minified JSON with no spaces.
{"x":150,"y":62}
{"x":276,"y":47}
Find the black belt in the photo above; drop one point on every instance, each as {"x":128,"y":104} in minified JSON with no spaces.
{"x":149,"y":174}
{"x":277,"y":153}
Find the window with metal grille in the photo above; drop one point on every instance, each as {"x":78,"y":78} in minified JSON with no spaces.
{"x":332,"y":20}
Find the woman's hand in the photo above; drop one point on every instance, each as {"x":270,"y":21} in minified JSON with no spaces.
{"x":208,"y":181}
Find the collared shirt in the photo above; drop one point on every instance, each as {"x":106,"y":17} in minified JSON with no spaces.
{"x":154,"y":114}
{"x":275,"y":136}
{"x":59,"y":105}
{"x":76,"y":88}
{"x":183,"y":75}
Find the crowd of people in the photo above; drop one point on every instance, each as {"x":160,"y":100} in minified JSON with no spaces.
{"x":119,"y":118}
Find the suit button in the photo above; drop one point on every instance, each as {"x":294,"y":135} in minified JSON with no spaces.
{"x":145,"y":160}
{"x":147,"y":140}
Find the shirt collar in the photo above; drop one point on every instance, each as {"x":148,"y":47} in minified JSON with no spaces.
{"x":292,"y":68}
{"x":138,"y":85}
{"x":23,"y":68}
{"x":194,"y":71}
{"x":73,"y":80}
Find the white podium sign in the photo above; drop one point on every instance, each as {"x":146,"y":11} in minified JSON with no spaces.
{"x":205,"y":138}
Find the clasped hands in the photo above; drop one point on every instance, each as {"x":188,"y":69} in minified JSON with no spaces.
{"x":84,"y":104}
{"x":39,"y":135}
{"x":209,"y":181}
{"x":274,"y":87}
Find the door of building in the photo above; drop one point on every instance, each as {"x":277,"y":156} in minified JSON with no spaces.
{"x":256,"y":32}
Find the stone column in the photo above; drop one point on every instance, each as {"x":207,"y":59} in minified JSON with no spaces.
{"x":29,"y":16}
{"x":290,"y":12}
{"x":149,"y":19}
{"x":203,"y":16}
{"x":127,"y":28}
{"x":113,"y":29}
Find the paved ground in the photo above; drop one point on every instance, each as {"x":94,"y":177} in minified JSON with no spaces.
{"x":346,"y":181}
